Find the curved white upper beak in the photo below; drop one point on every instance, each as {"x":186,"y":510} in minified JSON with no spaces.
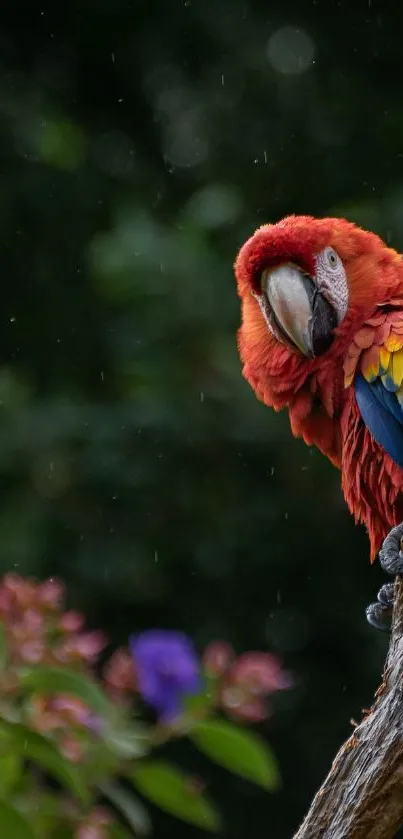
{"x":288,"y":293}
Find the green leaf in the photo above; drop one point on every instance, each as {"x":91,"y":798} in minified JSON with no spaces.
{"x":116,"y":831}
{"x":49,"y":680}
{"x":48,"y":758}
{"x":62,"y":831}
{"x":11,"y":769}
{"x":13,"y":825}
{"x":100,"y":763}
{"x":40,"y":750}
{"x":127,"y":743}
{"x":45,"y":813}
{"x":240,"y":751}
{"x":170,"y":789}
{"x":203,"y":700}
{"x":3,"y":647}
{"x":130,"y":807}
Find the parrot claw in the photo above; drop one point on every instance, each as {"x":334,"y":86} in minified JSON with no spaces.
{"x":379,"y":614}
{"x":391,"y":553}
{"x":386,"y":595}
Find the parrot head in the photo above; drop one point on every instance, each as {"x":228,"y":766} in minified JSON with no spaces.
{"x":306,"y":285}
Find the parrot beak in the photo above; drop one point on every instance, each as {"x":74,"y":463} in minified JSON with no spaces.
{"x":297,"y":310}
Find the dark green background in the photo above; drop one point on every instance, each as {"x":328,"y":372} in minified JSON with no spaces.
{"x":140,"y":144}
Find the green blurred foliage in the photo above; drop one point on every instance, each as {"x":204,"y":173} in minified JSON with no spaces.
{"x":141,"y":143}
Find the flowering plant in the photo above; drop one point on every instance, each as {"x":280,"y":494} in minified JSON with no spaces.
{"x":74,"y":752}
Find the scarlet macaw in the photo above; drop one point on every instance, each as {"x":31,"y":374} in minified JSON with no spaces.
{"x":322,"y":335}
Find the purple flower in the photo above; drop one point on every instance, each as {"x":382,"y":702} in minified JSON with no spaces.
{"x":167,"y":669}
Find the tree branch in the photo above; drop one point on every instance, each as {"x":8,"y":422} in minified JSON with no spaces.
{"x":362,"y":796}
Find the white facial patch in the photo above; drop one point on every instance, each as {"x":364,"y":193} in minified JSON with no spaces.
{"x":331,"y":280}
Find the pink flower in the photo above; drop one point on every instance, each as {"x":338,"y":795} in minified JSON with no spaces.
{"x":32,"y":651}
{"x":260,"y":673}
{"x":71,"y":621}
{"x":74,"y":710}
{"x":72,"y":748}
{"x":33,"y":620}
{"x":242,"y":705}
{"x":6,"y":601}
{"x":44,"y":720}
{"x":84,"y":647}
{"x":51,"y":594}
{"x":23,"y":591}
{"x":217,"y":658}
{"x":90,"y":644}
{"x":247,"y":683}
{"x":119,"y":672}
{"x":91,"y":831}
{"x":95,"y":825}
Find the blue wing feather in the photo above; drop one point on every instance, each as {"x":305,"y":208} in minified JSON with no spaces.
{"x":382,"y":414}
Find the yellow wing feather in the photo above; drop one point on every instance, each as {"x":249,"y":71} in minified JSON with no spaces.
{"x":377,"y":350}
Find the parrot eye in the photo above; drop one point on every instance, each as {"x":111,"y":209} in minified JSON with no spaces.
{"x":333,"y":259}
{"x":331,"y":280}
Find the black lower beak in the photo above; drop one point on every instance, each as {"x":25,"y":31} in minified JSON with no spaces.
{"x":323,"y":321}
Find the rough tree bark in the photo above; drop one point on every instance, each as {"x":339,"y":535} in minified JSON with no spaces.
{"x":362,"y":796}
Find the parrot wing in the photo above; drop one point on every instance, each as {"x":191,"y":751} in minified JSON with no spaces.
{"x":374,"y":365}
{"x":382,"y":414}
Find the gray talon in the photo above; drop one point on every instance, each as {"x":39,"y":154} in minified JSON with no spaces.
{"x":386,"y":595}
{"x":379,"y":616}
{"x":391,"y":553}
